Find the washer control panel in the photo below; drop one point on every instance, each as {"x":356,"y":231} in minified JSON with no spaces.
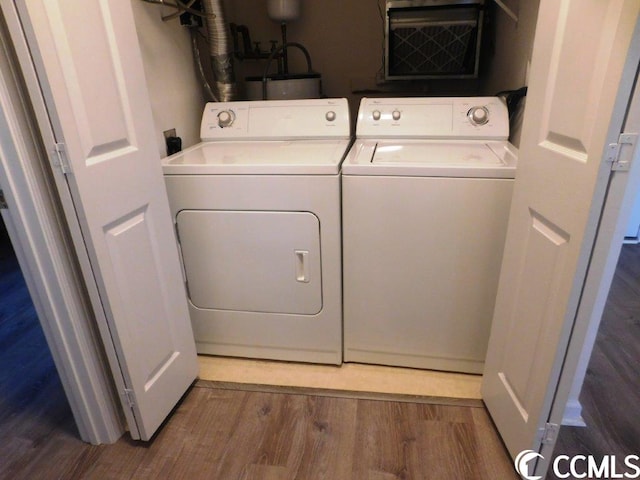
{"x":434,"y":117}
{"x":276,"y":119}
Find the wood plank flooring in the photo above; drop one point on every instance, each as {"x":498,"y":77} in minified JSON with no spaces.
{"x":232,"y":434}
{"x":611,"y":392}
{"x":222,"y":433}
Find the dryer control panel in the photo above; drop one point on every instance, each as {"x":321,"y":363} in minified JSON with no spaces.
{"x":276,"y":120}
{"x":433,"y":117}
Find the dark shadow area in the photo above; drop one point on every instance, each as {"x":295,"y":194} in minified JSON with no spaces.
{"x":31,"y":394}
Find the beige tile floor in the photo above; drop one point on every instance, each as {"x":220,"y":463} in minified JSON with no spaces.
{"x":350,"y":377}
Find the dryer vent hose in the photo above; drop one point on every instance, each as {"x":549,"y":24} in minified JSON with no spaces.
{"x":220,"y":50}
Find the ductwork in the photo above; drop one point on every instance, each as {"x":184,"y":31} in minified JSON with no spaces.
{"x":220,"y":50}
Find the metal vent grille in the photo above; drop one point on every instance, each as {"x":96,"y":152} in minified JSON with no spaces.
{"x":433,"y":40}
{"x":434,"y":50}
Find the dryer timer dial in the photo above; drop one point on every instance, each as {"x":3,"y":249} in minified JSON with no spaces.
{"x":226,"y":118}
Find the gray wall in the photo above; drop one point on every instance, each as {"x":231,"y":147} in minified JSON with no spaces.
{"x":176,"y":97}
{"x":510,"y":63}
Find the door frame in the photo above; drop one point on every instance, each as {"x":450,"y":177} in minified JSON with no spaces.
{"x":49,"y":245}
{"x":615,"y":213}
{"x":37,"y":235}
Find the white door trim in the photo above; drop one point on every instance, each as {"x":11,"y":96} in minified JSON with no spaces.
{"x":47,"y":257}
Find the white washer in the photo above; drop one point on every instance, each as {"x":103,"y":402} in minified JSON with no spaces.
{"x":426,"y":193}
{"x":257,"y":212}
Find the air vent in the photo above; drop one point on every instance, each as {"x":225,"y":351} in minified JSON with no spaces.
{"x":426,"y":40}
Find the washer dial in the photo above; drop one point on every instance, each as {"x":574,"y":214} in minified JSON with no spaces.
{"x":478,"y":115}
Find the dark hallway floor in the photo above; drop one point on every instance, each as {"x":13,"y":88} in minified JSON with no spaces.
{"x":611,"y":392}
{"x":32,"y":401}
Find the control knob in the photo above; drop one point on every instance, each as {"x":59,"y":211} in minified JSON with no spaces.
{"x":376,"y":115}
{"x":396,"y":115}
{"x":330,"y":116}
{"x":478,"y":115}
{"x":226,"y":118}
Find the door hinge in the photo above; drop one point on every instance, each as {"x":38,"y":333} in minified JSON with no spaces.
{"x":548,"y":434}
{"x":129,"y":397}
{"x":3,"y":201}
{"x":61,"y":160}
{"x":619,"y":162}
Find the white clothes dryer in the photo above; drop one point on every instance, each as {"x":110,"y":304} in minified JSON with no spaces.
{"x":426,"y":194}
{"x":257,"y":213}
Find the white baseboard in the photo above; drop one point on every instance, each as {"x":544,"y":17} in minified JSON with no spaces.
{"x":573,"y":415}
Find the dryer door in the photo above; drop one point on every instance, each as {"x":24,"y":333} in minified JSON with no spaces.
{"x":252,"y":261}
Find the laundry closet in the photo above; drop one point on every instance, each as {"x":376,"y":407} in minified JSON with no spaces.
{"x":344,"y":40}
{"x":367,"y":49}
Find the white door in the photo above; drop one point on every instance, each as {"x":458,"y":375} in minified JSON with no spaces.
{"x":90,"y":68}
{"x":578,"y":60}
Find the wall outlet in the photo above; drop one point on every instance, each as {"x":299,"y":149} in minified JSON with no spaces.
{"x":172,"y":141}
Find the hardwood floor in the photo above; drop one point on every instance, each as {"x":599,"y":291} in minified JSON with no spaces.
{"x":219,"y":433}
{"x":229,"y":434}
{"x":233,"y":434}
{"x":611,"y":392}
{"x":32,"y":402}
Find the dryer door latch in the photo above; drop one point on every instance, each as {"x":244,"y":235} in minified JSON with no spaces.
{"x":619,"y":154}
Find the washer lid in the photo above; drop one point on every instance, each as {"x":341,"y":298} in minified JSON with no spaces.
{"x":431,"y":158}
{"x":294,"y":157}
